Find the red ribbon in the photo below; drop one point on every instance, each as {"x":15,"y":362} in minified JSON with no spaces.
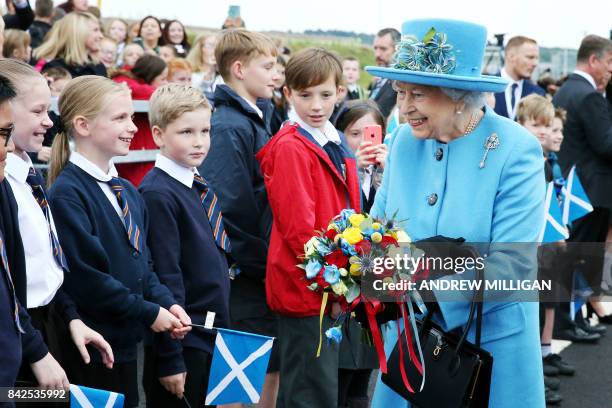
{"x":408,"y":334}
{"x":372,"y":308}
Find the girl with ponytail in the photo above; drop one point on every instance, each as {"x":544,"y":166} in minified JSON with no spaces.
{"x":102,"y":223}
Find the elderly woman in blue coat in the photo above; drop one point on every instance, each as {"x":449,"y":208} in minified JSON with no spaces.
{"x":457,"y":169}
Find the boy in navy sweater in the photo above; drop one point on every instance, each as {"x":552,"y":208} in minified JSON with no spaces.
{"x":188,"y":244}
{"x":240,"y":128}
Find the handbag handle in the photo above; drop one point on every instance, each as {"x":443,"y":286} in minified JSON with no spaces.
{"x":475,"y":308}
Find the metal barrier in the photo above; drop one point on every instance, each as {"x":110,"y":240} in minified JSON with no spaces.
{"x":134,"y":156}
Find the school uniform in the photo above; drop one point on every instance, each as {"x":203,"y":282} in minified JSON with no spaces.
{"x":323,"y":182}
{"x":40,"y":281}
{"x":32,"y":343}
{"x":194,"y":267}
{"x":111,"y":278}
{"x":10,"y":341}
{"x":239,"y":129}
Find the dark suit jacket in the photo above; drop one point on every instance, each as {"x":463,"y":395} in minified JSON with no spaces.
{"x":588,"y":138}
{"x":528,"y":88}
{"x":386,"y":98}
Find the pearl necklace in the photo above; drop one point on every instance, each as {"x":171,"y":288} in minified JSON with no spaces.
{"x":471,"y":124}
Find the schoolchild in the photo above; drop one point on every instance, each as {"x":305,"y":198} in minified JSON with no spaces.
{"x":102,"y":224}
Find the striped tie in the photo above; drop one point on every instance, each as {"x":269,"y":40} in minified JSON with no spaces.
{"x":133,"y":232}
{"x":213,"y":211}
{"x":5,"y":266}
{"x":36,"y":182}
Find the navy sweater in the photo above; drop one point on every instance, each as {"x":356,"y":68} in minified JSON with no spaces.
{"x":187,"y":261}
{"x":237,"y":133}
{"x":113,"y":285}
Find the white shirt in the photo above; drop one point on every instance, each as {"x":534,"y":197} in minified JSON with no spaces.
{"x":586,"y":76}
{"x":43,"y":275}
{"x":366,"y":182}
{"x":255,"y":107}
{"x":508,"y":93}
{"x":329,"y":133}
{"x":103,"y":178}
{"x":182,"y":174}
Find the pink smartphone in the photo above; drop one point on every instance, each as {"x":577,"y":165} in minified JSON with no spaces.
{"x":373,"y":133}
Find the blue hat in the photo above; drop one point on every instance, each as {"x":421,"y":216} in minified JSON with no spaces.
{"x":447,"y":53}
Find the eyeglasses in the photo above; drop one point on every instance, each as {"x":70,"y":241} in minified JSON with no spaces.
{"x":5,"y":133}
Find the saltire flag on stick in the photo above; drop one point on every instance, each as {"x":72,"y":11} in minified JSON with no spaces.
{"x":576,"y":203}
{"x":553,"y":229}
{"x":85,"y":397}
{"x":238,"y":369}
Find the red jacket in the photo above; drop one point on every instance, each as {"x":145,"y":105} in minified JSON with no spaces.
{"x":305,"y":191}
{"x":143,"y":139}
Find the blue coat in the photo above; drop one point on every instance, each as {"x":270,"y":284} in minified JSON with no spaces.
{"x":502,"y":202}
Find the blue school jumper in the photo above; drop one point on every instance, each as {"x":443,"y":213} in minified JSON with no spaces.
{"x":113,"y":285}
{"x":187,"y":261}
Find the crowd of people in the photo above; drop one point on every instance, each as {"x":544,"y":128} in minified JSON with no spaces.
{"x":256,"y":149}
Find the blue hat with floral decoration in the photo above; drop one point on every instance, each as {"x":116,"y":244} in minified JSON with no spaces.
{"x":446,"y":53}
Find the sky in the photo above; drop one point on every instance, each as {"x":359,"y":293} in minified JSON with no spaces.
{"x":560,"y":23}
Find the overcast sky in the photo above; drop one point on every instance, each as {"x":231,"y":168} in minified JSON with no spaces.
{"x":551,"y":22}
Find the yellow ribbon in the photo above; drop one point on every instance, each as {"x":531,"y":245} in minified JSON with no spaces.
{"x":321,"y":313}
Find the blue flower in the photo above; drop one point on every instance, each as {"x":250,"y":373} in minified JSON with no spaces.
{"x":312,"y":268}
{"x":433,"y":54}
{"x":322,"y":248}
{"x":334,"y":334}
{"x":347,"y":248}
{"x":331,"y":274}
{"x":345,"y":214}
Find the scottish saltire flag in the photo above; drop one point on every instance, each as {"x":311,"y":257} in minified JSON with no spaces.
{"x":575,"y":204}
{"x":84,"y":397}
{"x":238,"y":368}
{"x":553,"y":229}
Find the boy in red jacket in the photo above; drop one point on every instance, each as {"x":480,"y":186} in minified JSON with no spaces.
{"x":311,"y":175}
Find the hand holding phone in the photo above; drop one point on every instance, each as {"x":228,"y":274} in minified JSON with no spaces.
{"x":373,"y":134}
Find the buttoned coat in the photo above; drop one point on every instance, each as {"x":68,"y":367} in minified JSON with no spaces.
{"x":440,"y":189}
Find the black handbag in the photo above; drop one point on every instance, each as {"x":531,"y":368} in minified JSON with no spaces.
{"x":458,"y":373}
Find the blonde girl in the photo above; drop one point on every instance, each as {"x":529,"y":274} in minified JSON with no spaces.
{"x":202,"y":60}
{"x":17,"y":45}
{"x":73,"y":43}
{"x":102,"y":223}
{"x":44,"y":263}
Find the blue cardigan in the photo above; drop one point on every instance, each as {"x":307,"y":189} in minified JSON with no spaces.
{"x":115,"y":289}
{"x":187,"y":261}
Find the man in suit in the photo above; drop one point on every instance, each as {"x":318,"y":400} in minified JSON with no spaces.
{"x":522,"y":57}
{"x":381,"y":91}
{"x":588,"y":145}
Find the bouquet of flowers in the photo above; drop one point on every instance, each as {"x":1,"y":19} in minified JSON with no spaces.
{"x":354,"y":244}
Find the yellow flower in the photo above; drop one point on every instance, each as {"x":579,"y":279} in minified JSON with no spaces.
{"x":376,"y":237}
{"x":355,"y":269}
{"x":376,"y":226}
{"x":339,"y":288}
{"x":403,"y":237}
{"x":356,"y":219}
{"x":352,"y":235}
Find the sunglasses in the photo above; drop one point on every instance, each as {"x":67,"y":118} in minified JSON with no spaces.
{"x":5,"y":133}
